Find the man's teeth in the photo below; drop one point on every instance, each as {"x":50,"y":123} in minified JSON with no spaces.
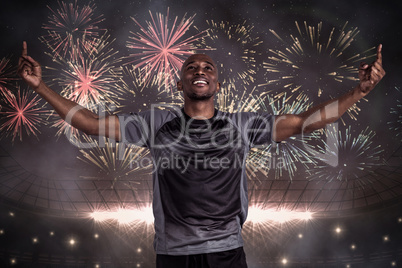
{"x":199,"y":82}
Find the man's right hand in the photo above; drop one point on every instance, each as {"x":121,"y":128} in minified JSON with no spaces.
{"x":29,"y":69}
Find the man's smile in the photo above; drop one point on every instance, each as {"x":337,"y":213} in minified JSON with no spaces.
{"x":200,"y":82}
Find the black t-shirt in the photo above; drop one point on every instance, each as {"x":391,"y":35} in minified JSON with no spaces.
{"x":199,"y":183}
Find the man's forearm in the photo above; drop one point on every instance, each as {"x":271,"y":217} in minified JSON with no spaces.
{"x":316,"y":117}
{"x":330,"y":111}
{"x":74,"y":114}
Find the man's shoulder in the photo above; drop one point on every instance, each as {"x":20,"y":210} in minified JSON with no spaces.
{"x":155,"y":111}
{"x":241,"y":114}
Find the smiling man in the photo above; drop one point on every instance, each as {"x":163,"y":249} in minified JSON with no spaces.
{"x":201,"y":85}
{"x":200,"y":197}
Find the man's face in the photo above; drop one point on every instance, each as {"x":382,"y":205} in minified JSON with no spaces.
{"x":199,"y":78}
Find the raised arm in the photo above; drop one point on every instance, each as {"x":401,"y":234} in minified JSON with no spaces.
{"x":328,"y":112}
{"x":74,"y":114}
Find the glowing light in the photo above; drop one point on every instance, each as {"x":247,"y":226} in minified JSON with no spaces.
{"x":338,"y":230}
{"x":258,"y":215}
{"x":300,"y":236}
{"x":100,"y":216}
{"x":139,"y":250}
{"x":22,"y":112}
{"x":96,"y":236}
{"x":353,"y":247}
{"x":13,"y":261}
{"x":162,"y":48}
{"x":51,"y":233}
{"x":1,"y":231}
{"x":11,"y":214}
{"x":385,"y":238}
{"x":72,"y":242}
{"x":71,"y":27}
{"x":284,"y":261}
{"x":35,"y":240}
{"x":125,"y":216}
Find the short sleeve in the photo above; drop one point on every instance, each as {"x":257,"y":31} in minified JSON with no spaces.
{"x":135,"y":128}
{"x":257,"y":128}
{"x":139,"y":128}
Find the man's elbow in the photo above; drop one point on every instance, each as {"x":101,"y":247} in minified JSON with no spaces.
{"x":287,"y":126}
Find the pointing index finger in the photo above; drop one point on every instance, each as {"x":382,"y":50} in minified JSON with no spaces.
{"x":379,"y":55}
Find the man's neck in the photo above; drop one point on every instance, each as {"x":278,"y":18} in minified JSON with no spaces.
{"x":199,"y":109}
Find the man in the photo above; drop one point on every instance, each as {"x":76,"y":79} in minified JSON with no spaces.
{"x":199,"y":186}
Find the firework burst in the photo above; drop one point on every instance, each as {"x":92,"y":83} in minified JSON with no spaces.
{"x":346,"y":158}
{"x":90,"y":78}
{"x":285,"y":156}
{"x":235,"y":44}
{"x":162,"y":48}
{"x":140,"y":94}
{"x":5,"y":76}
{"x":115,"y":161}
{"x":311,"y":62}
{"x":232,"y":100}
{"x":71,"y":27}
{"x":22,"y":111}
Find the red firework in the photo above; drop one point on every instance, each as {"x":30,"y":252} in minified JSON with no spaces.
{"x":22,"y":111}
{"x":89,"y":78}
{"x":162,"y":50}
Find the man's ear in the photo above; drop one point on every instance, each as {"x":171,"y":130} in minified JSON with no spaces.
{"x":218,"y":86}
{"x":179,"y":85}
